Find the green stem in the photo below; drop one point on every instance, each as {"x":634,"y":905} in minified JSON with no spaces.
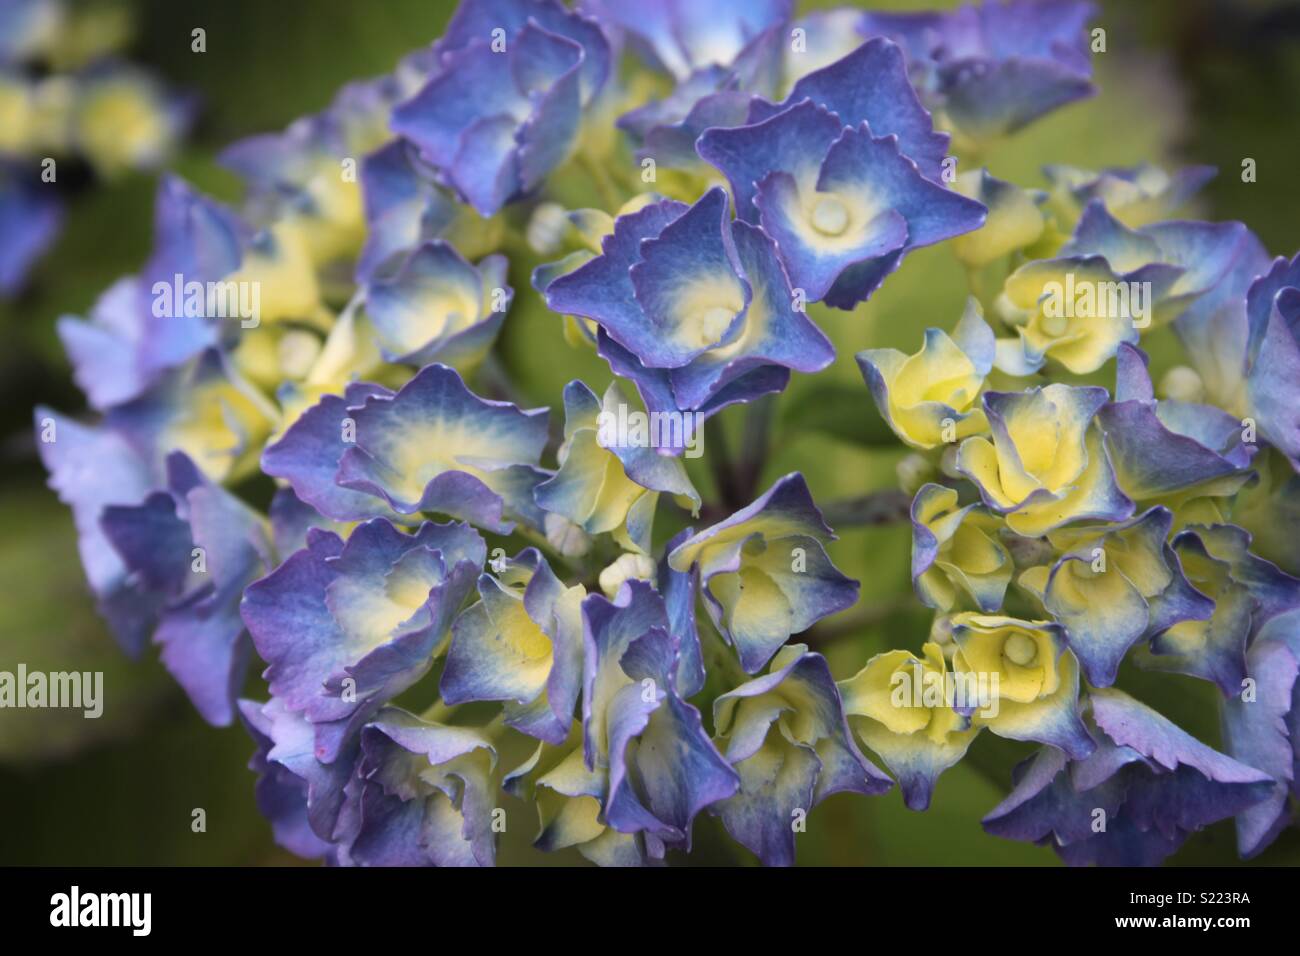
{"x":609,"y":194}
{"x":720,"y":658}
{"x":715,"y":438}
{"x":876,"y":508}
{"x":495,"y":727}
{"x":438,"y":712}
{"x":754,"y":446}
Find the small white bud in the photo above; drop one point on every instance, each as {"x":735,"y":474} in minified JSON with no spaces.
{"x":1182,"y":384}
{"x":298,"y":351}
{"x":941,"y":630}
{"x":566,"y":537}
{"x":948,"y":461}
{"x":913,"y":471}
{"x":546,"y":228}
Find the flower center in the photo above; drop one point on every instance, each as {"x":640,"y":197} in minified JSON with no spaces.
{"x":829,"y":217}
{"x":1020,"y":649}
{"x":712,"y":323}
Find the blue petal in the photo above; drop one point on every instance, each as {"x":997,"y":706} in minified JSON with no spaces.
{"x":795,"y":766}
{"x":436,"y":446}
{"x":30,"y":220}
{"x":656,"y":387}
{"x":602,"y":289}
{"x":307,"y":456}
{"x":681,"y":36}
{"x":439,"y":307}
{"x":794,"y":141}
{"x":1152,"y":459}
{"x":687,"y":286}
{"x":92,"y":467}
{"x":775,"y":332}
{"x":870,"y":86}
{"x":1256,"y":733}
{"x":900,"y":211}
{"x":674,"y":771}
{"x":345,"y":627}
{"x":402,"y":207}
{"x":476,"y":19}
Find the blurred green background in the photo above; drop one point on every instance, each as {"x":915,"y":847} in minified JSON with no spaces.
{"x":1183,"y":81}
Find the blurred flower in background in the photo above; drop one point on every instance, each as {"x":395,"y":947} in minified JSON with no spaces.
{"x":67,"y":96}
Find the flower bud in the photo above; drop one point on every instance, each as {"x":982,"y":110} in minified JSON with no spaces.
{"x":1182,"y":384}
{"x":566,"y":537}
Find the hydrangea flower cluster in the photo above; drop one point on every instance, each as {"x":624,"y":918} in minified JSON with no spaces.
{"x":65,"y":94}
{"x":460,"y":602}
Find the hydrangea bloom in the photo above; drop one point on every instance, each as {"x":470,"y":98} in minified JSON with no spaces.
{"x":604,"y":484}
{"x":422,"y":795}
{"x":1036,"y":674}
{"x":995,"y":67}
{"x":431,"y":446}
{"x":520,"y":643}
{"x":765,"y":572}
{"x":495,"y":130}
{"x":843,"y":176}
{"x":1169,"y":447}
{"x":1111,"y":588}
{"x":932,"y":398}
{"x":1248,"y":592}
{"x":1261,"y":731}
{"x":1015,"y":219}
{"x":955,"y":549}
{"x":1148,"y":783}
{"x":694,"y":307}
{"x":787,"y":736}
{"x":456,"y":596}
{"x":661,"y":768}
{"x":1136,"y":195}
{"x":569,"y":796}
{"x":901,"y":707}
{"x":1045,"y":465}
{"x":373,"y":608}
{"x":683,"y":38}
